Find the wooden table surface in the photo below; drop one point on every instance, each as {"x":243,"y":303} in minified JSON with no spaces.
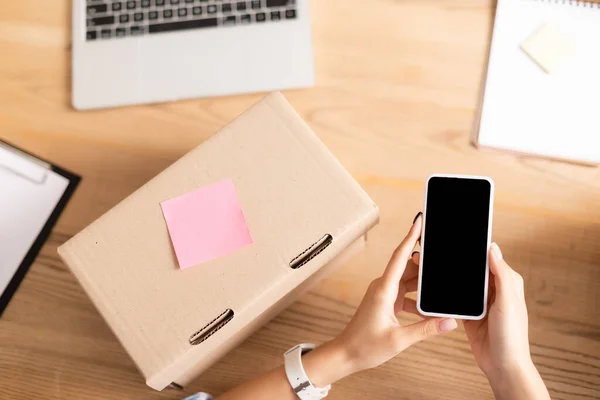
{"x":395,"y":100}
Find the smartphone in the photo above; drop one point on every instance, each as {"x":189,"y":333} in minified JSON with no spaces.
{"x":455,"y":241}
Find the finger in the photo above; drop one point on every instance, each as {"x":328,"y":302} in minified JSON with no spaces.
{"x":397,"y":264}
{"x":417,"y":217}
{"x":410,"y":306}
{"x":419,"y":214}
{"x":422,"y":330}
{"x":408,"y":283}
{"x":491,"y":291}
{"x":406,"y":304}
{"x":399,"y":304}
{"x":506,"y":280}
{"x":416,"y":257}
{"x":412,"y":285}
{"x":411,"y":271}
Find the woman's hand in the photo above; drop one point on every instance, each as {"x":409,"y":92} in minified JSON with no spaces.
{"x":374,"y":334}
{"x":372,"y":337}
{"x":500,"y":341}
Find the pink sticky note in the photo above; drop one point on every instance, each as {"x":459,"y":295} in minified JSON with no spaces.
{"x":206,"y":223}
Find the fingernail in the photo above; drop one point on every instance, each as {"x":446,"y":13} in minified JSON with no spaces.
{"x":417,"y":217}
{"x":447,"y":325}
{"x":413,"y":254}
{"x":496,"y":251}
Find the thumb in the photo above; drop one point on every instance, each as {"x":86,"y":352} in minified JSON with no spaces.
{"x":421,"y":330}
{"x":499,"y":268}
{"x":506,"y":280}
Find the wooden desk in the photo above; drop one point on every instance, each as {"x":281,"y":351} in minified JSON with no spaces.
{"x":395,"y":100}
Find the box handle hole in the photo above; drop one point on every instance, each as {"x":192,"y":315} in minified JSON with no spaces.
{"x":210,"y":328}
{"x":310,"y":253}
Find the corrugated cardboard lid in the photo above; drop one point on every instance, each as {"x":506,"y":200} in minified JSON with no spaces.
{"x":292,"y":191}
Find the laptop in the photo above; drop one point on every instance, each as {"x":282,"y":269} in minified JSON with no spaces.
{"x":146,"y":51}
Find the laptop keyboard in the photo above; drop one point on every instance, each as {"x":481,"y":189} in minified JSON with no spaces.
{"x":108,"y":19}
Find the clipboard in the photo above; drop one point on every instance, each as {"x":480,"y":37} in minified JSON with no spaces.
{"x":34,"y":194}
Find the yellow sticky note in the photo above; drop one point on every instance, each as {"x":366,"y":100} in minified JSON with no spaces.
{"x":549,"y":47}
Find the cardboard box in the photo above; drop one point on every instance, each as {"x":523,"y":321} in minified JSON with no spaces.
{"x":303,"y":210}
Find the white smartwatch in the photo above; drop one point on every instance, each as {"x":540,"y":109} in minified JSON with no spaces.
{"x":296,"y":375}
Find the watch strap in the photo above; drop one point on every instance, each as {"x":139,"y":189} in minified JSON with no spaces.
{"x":294,"y":370}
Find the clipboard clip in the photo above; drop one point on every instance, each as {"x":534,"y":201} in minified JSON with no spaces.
{"x":24,"y":165}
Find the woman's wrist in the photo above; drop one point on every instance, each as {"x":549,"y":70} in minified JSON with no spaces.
{"x":327,"y":364}
{"x":518,"y":381}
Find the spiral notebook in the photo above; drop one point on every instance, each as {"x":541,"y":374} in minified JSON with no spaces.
{"x":528,"y":110}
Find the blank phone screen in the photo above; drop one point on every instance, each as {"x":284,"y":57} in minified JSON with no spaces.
{"x":455,"y":245}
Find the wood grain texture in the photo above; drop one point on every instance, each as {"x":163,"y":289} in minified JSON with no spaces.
{"x":395,"y":100}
